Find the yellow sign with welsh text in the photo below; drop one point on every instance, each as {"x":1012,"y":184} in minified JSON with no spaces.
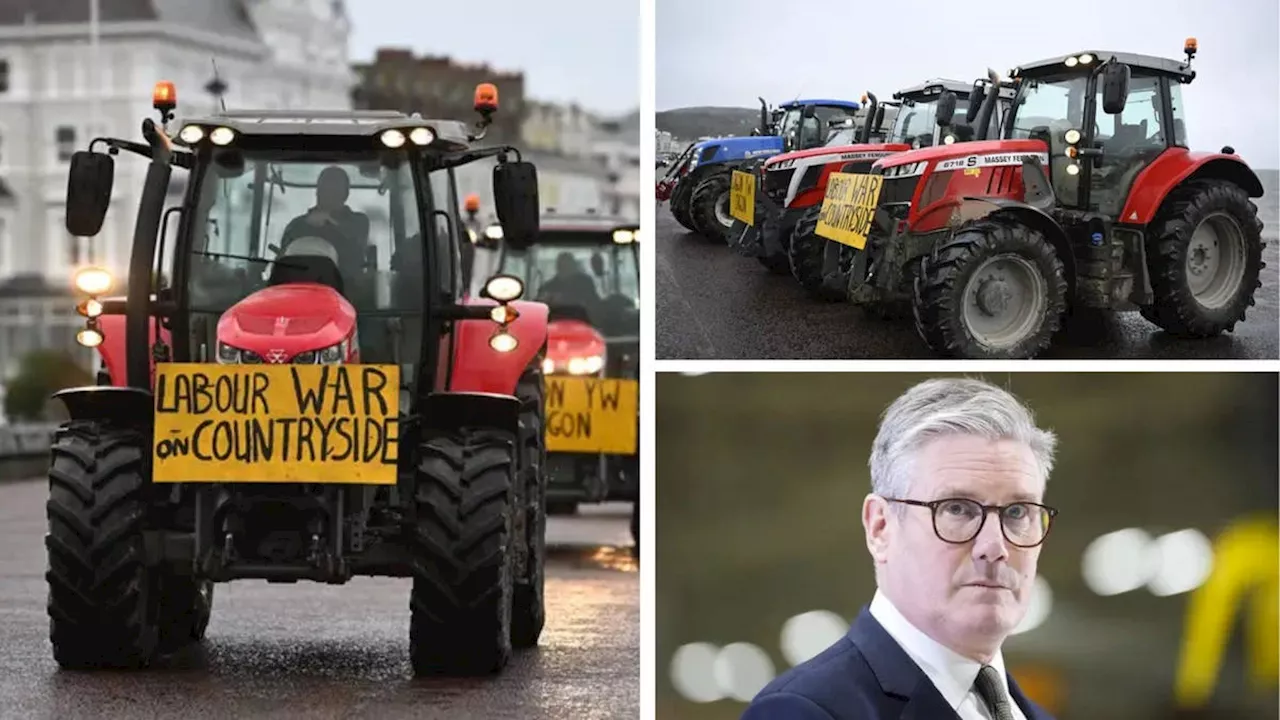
{"x":849,"y":207}
{"x":592,"y":415}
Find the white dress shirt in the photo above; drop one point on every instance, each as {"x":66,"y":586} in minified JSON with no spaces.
{"x":951,"y":673}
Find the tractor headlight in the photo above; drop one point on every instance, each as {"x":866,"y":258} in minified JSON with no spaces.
{"x":1072,"y":136}
{"x":393,"y":138}
{"x":504,"y":288}
{"x":191,"y":134}
{"x":332,"y":355}
{"x":222,"y":136}
{"x":93,"y":281}
{"x":422,"y":136}
{"x":89,"y":337}
{"x":589,"y":365}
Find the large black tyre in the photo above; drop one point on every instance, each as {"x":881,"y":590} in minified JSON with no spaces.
{"x":1228,"y":257}
{"x":777,"y":263}
{"x":102,"y":601}
{"x":460,"y":605}
{"x":709,"y":208}
{"x":805,"y":256}
{"x":528,"y":607}
{"x":679,"y":204}
{"x":1027,"y":264}
{"x":185,"y":609}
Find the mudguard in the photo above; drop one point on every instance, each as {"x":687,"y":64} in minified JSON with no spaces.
{"x":449,"y":411}
{"x":112,"y":349}
{"x":125,"y":406}
{"x":976,"y":208}
{"x":1171,"y":169}
{"x":478,"y":368}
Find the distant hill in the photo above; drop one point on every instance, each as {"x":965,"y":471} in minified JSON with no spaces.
{"x":694,"y":122}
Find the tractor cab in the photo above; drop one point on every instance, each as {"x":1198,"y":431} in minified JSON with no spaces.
{"x":917,"y":120}
{"x":1104,"y":117}
{"x":803,"y":124}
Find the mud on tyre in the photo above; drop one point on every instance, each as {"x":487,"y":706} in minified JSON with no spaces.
{"x":679,"y":205}
{"x":460,"y":605}
{"x":1204,"y":254}
{"x":994,"y":289}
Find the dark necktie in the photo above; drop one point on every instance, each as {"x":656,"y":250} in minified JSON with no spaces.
{"x":993,"y":694}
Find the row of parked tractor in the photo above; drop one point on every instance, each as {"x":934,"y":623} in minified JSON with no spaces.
{"x":990,"y":212}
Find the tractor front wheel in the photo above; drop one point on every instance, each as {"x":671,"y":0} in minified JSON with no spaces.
{"x":102,"y":599}
{"x":528,"y":610}
{"x":679,"y":204}
{"x":1204,"y":255}
{"x":460,"y":605}
{"x":807,"y":254}
{"x":709,"y":208}
{"x":994,"y":290}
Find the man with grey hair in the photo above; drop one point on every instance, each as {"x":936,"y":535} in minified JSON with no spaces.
{"x":954,"y":525}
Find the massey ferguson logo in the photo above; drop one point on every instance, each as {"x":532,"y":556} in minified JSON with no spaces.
{"x":275,"y":356}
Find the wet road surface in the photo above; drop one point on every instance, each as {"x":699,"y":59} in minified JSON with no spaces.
{"x":320,"y":651}
{"x":713,"y":303}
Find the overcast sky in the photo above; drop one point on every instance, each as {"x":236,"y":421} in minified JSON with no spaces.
{"x":727,"y":52}
{"x":570,"y":50}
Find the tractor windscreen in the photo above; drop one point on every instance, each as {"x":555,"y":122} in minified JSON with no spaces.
{"x":360,"y":214}
{"x":586,"y":275}
{"x":1048,"y":106}
{"x":800,"y":133}
{"x":917,"y":120}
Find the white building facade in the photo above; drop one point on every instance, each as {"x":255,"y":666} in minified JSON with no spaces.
{"x":60,"y":87}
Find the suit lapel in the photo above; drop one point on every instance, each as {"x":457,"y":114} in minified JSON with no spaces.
{"x":900,"y":678}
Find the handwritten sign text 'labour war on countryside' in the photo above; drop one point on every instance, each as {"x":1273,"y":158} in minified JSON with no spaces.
{"x":276,"y":423}
{"x":848,"y":207}
{"x":591,"y":415}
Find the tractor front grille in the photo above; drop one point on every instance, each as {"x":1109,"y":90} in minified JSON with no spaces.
{"x":776,"y":183}
{"x":898,"y":190}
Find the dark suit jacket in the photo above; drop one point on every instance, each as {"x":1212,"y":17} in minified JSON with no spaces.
{"x":864,"y":676}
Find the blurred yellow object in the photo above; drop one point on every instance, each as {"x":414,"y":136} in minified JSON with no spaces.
{"x":1245,"y":562}
{"x":1042,"y":685}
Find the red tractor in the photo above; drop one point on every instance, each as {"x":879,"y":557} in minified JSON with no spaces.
{"x":298,"y":387}
{"x":793,"y":184}
{"x":1091,"y":199}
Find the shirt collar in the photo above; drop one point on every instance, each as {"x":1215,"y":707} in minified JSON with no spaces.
{"x":951,"y":673}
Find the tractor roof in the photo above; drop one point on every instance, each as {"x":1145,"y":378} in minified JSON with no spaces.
{"x":450,"y":134}
{"x":592,"y":223}
{"x":1057,"y":65}
{"x":935,"y":87}
{"x":848,"y":104}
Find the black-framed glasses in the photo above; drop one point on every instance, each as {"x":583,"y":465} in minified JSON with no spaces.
{"x":959,"y":520}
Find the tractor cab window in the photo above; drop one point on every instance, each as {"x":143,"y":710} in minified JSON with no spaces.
{"x":585,"y":275}
{"x":1179,"y":120}
{"x":917,"y":121}
{"x":1045,"y":110}
{"x":273,"y":218}
{"x":1129,"y":142}
{"x":843,"y":136}
{"x":800,"y":133}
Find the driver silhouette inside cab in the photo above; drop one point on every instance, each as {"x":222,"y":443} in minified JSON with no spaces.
{"x":331,"y":219}
{"x":570,"y":286}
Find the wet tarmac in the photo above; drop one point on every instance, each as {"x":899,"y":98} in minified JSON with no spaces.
{"x":712,"y":303}
{"x":321,"y":651}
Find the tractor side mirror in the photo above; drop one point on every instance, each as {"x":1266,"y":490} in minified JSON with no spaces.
{"x":89,"y":192}
{"x":946,"y":108}
{"x":809,"y":111}
{"x":515,"y":193}
{"x":976,"y":96}
{"x":1115,"y":87}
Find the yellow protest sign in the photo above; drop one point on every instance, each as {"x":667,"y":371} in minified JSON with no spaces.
{"x":591,"y":414}
{"x":276,"y":423}
{"x":742,"y":197}
{"x":848,"y":208}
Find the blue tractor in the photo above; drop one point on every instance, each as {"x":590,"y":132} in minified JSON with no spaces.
{"x":700,"y":197}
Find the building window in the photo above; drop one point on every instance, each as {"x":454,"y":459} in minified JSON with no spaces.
{"x":65,"y":139}
{"x":4,"y":76}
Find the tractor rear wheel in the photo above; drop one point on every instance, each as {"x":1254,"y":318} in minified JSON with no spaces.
{"x":709,"y":208}
{"x":1204,"y":255}
{"x":460,"y":605}
{"x":528,"y":609}
{"x":994,"y":290}
{"x":806,"y":255}
{"x":102,"y":599}
{"x":679,"y":204}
